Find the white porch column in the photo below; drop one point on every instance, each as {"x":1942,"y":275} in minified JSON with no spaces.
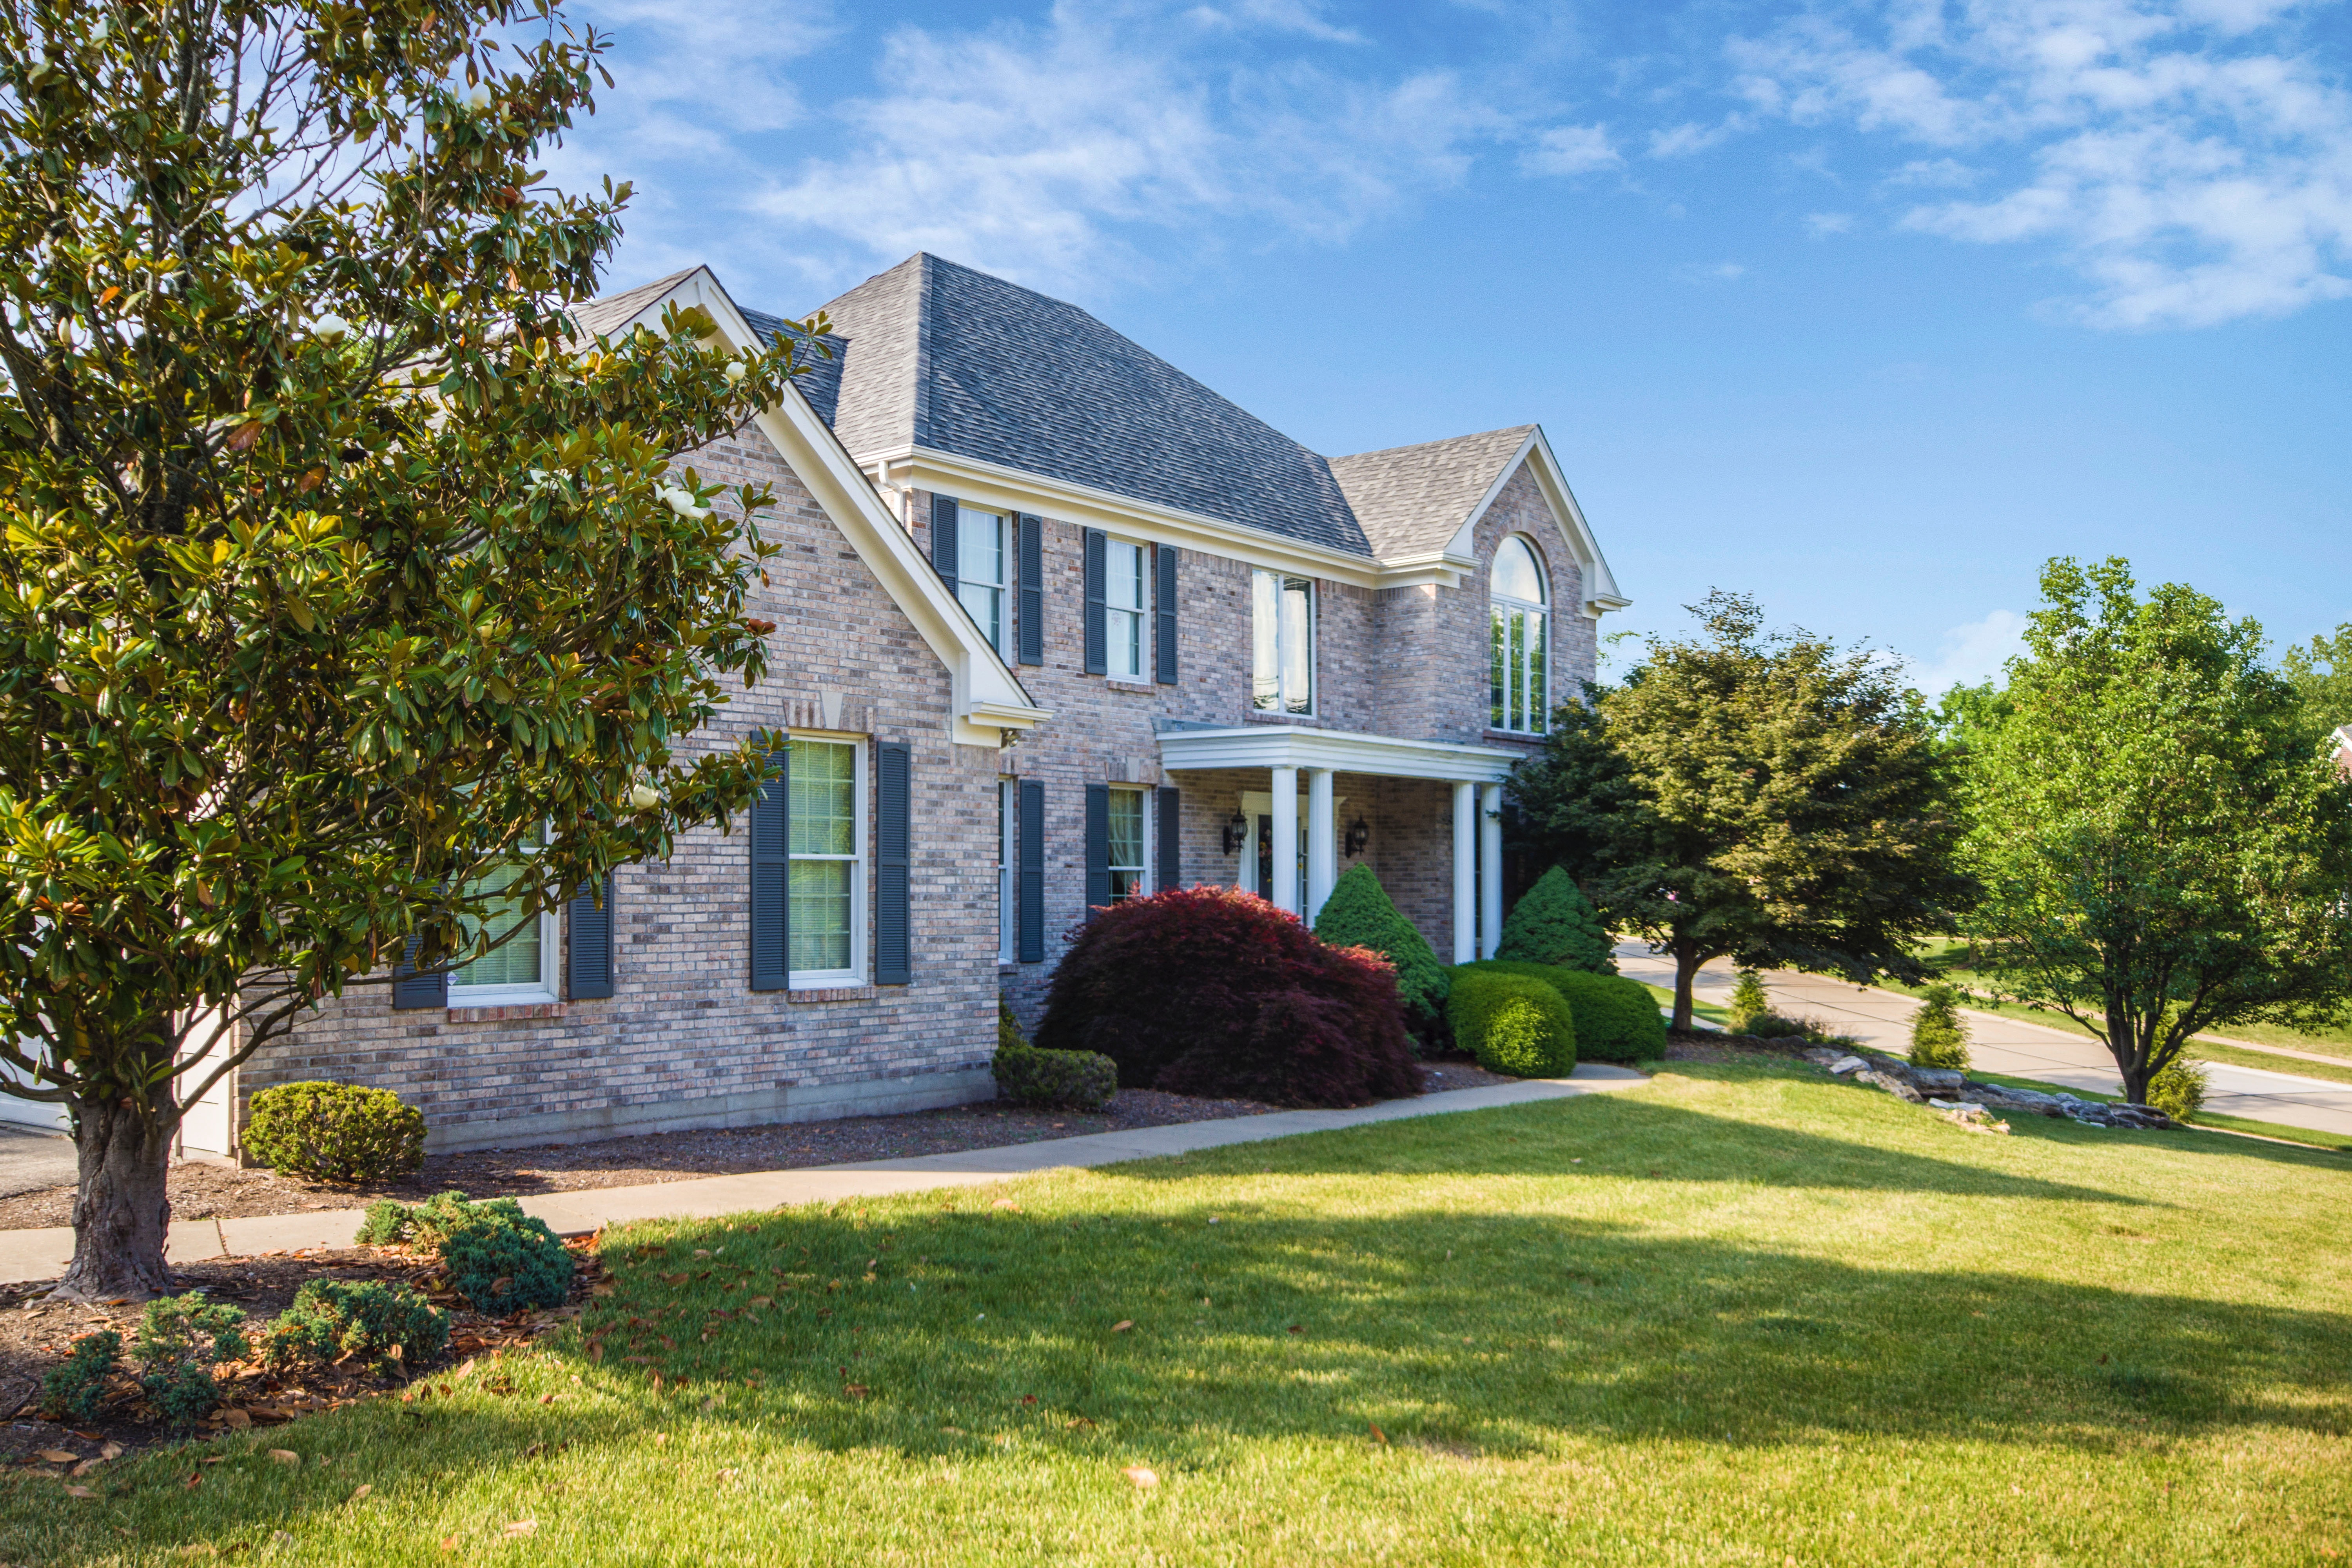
{"x":1285,"y":838}
{"x":1490,"y":870}
{"x":1322,"y":850}
{"x":1466,"y":873}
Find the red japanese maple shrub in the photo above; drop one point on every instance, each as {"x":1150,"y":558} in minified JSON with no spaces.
{"x":1214,"y":991}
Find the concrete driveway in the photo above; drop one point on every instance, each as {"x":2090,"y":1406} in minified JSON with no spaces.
{"x":30,"y":1160}
{"x":1881,"y":1019}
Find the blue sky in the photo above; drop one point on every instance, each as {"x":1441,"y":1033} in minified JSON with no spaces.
{"x":1866,"y":309}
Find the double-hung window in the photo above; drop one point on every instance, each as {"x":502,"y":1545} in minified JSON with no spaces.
{"x":522,"y":968}
{"x":984,"y":553}
{"x":828,"y":863}
{"x":1125,"y":608}
{"x":1126,"y":845}
{"x":1516,"y":599}
{"x":1282,"y":643}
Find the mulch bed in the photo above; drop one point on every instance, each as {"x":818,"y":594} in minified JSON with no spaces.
{"x":202,"y":1190}
{"x":1692,"y":1045}
{"x":34,"y":1334}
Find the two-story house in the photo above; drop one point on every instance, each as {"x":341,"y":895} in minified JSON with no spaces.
{"x":1057,"y":625}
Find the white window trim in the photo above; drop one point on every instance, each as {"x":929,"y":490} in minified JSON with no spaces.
{"x":1143,"y":879}
{"x":1142,"y":611}
{"x":1002,"y":586}
{"x":1506,"y":604}
{"x":1282,"y":708}
{"x":1008,"y":870}
{"x":544,"y":990}
{"x":860,"y":868}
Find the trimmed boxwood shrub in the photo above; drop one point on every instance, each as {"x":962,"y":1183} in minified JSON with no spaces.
{"x":1211,"y":991}
{"x":1085,"y":1080}
{"x":179,"y":1340}
{"x":382,"y":1325}
{"x":1360,"y":913}
{"x":1512,"y":1024}
{"x":1617,"y":1019}
{"x":499,"y":1259}
{"x":335,"y":1133}
{"x":1554,"y":923}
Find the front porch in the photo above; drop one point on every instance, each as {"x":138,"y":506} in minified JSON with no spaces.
{"x":1425,"y":814}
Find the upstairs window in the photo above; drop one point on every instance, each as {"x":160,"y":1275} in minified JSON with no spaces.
{"x":1124,"y":604}
{"x":982,"y":553}
{"x":1516,"y":597}
{"x":1282,"y":641}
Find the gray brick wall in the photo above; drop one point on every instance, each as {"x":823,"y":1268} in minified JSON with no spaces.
{"x":684,"y":1040}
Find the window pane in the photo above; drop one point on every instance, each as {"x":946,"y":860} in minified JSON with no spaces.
{"x":980,"y":547}
{"x":824,"y":801}
{"x":1297,"y":644}
{"x":1265,"y":679}
{"x":517,"y":962}
{"x":1123,"y":571}
{"x":1500,"y":719}
{"x":819,"y":913}
{"x":1538,"y":709}
{"x":1126,"y":844}
{"x":986,"y":607}
{"x":1514,"y":575}
{"x":1518,"y":661}
{"x":1124,"y":631}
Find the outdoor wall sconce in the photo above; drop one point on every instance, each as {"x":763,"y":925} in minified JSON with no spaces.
{"x":1236,"y":833}
{"x":1360,"y":832}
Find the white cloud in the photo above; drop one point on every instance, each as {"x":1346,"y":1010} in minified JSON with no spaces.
{"x":1683,"y":140}
{"x":2191,"y":158}
{"x":1709,"y":272}
{"x":1973,"y":652}
{"x":1821,"y":226}
{"x":1274,"y":16}
{"x":1571,"y":150}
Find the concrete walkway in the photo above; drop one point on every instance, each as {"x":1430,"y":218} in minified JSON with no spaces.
{"x":26,"y":1255}
{"x":2012,"y":1046}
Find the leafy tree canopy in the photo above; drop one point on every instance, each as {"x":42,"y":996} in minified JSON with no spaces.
{"x":339,"y":565}
{"x":2163,"y":839}
{"x":2321,"y":673}
{"x":1758,"y":795}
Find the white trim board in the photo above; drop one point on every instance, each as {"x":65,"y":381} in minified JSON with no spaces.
{"x":1341,"y":751}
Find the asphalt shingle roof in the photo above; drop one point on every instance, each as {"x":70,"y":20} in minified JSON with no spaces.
{"x":942,"y":356}
{"x":1410,"y":500}
{"x":603,"y":315}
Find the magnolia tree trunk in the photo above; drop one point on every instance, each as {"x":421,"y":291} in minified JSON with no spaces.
{"x":121,"y":1212}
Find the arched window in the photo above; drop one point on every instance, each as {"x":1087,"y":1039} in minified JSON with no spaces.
{"x":1515,"y":590}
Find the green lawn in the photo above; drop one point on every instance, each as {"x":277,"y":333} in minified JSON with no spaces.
{"x":1707,"y":1010}
{"x":1738,"y":1315}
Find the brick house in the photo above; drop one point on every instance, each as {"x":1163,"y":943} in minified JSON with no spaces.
{"x":1056,"y":625}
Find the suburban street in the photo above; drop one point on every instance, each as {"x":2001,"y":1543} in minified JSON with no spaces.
{"x":2010,"y":1047}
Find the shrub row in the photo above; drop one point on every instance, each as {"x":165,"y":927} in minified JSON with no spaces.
{"x":1512,"y":1024}
{"x":1616,"y":1019}
{"x":1082,"y":1080}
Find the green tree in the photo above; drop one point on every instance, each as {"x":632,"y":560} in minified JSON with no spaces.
{"x":1360,"y":913}
{"x":1758,"y":795}
{"x":337,"y":564}
{"x":1554,"y":923}
{"x":2321,"y":674}
{"x":2162,"y":838}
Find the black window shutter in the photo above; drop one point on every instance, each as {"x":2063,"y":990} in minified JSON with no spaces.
{"x":1098,"y":635}
{"x":1169,"y":848}
{"x":771,"y":878}
{"x":1097,"y":847}
{"x":943,"y":539}
{"x":410,"y":989}
{"x":1163,"y":663}
{"x":1029,"y":550}
{"x":588,"y":944}
{"x":893,"y":939}
{"x":1031,"y":892}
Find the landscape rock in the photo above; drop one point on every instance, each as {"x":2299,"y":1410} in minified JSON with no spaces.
{"x":1825,"y":1055}
{"x":1939,"y":1081}
{"x":1844,"y":1065}
{"x":1890,"y":1083}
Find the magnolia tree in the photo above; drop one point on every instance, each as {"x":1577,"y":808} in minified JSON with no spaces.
{"x":2163,"y":836}
{"x":340,"y":568}
{"x":1757,"y":794}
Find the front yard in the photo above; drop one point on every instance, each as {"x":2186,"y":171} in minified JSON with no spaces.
{"x":1741,"y":1314}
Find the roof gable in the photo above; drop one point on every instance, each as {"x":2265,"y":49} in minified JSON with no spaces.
{"x":1412,"y":501}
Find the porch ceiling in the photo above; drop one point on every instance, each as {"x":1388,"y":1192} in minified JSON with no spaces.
{"x":1341,"y":751}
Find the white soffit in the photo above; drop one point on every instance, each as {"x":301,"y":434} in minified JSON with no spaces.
{"x":1341,"y":751}
{"x":988,"y":700}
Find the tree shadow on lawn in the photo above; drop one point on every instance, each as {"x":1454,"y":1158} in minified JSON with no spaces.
{"x":934,"y":1325}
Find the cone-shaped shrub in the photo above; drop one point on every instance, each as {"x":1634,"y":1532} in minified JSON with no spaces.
{"x":1360,"y":913}
{"x":1939,"y":1035}
{"x":1211,"y":991}
{"x":1555,"y":923}
{"x":1748,"y":1003}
